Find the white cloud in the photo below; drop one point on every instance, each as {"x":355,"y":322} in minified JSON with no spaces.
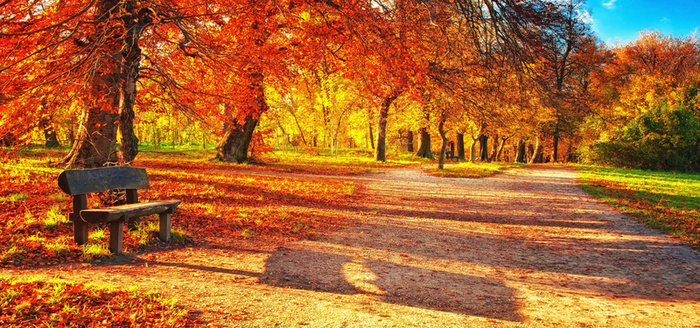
{"x":610,"y":4}
{"x":585,"y":16}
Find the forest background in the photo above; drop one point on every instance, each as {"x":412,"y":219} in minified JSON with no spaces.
{"x":495,"y":80}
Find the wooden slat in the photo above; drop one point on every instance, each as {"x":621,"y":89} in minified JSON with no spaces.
{"x":78,"y":182}
{"x":121,"y":212}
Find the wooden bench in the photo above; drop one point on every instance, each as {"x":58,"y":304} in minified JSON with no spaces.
{"x":79,"y":183}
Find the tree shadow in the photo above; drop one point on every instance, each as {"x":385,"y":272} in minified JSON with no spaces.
{"x":391,"y":283}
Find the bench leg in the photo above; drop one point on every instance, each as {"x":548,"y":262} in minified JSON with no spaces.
{"x":80,"y":231}
{"x":116,"y":237}
{"x":164,"y":233}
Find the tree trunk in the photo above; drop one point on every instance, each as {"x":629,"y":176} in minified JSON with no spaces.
{"x":460,"y":147}
{"x":371,"y":135}
{"x":49,"y":133}
{"x":555,"y":146}
{"x":112,"y":93}
{"x":424,"y":150}
{"x":472,"y":155}
{"x":235,"y":143}
{"x":380,"y":151}
{"x":537,"y":153}
{"x":129,"y":74}
{"x":484,"y":148}
{"x":520,"y":158}
{"x":501,"y":146}
{"x":494,"y":150}
{"x":409,"y":141}
{"x":443,"y":137}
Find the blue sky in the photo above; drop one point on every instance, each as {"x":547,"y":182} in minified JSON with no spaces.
{"x":616,"y":21}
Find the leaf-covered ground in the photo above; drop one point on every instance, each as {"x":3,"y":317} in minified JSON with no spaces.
{"x":218,"y":200}
{"x":34,"y":303}
{"x":277,"y":245}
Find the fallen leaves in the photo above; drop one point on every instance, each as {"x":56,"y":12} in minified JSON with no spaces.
{"x":219,"y":201}
{"x":33,"y":303}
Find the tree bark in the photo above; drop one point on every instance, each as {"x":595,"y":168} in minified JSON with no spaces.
{"x":49,"y":133}
{"x":555,"y":146}
{"x":537,"y":153}
{"x":409,"y":141}
{"x":371,"y":135}
{"x":501,"y":146}
{"x":443,"y":137}
{"x":472,"y":155}
{"x":520,"y":158}
{"x":494,"y":150}
{"x":235,"y":143}
{"x":380,"y":151}
{"x":129,"y":74}
{"x":460,"y":147}
{"x":484,"y":148}
{"x":424,"y":149}
{"x":112,"y":95}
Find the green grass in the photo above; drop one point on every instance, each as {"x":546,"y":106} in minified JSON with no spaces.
{"x":92,"y":251}
{"x":669,"y":201}
{"x":344,"y":163}
{"x":54,"y":217}
{"x":14,"y":197}
{"x":473,"y":170}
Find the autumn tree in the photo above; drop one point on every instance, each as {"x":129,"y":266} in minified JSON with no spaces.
{"x":646,"y":116}
{"x":564,"y":65}
{"x":93,"y":55}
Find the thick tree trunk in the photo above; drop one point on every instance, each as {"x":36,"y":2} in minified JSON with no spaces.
{"x":409,"y":141}
{"x":95,"y":143}
{"x":501,"y":146}
{"x":424,"y":149}
{"x":443,"y":137}
{"x":555,"y":146}
{"x":537,"y":153}
{"x":380,"y":151}
{"x":484,"y":148}
{"x":460,"y":147}
{"x":131,"y":61}
{"x":520,"y":158}
{"x":112,"y":94}
{"x":235,"y":143}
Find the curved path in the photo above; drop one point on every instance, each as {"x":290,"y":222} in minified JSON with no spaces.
{"x":527,"y":248}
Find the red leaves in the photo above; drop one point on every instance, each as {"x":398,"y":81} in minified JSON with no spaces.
{"x":58,"y":304}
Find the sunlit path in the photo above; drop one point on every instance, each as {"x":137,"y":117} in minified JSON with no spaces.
{"x":527,"y":248}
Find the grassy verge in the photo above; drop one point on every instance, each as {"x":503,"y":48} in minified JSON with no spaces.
{"x":472,"y":170}
{"x":34,"y":303}
{"x":346,"y":163}
{"x":669,"y":201}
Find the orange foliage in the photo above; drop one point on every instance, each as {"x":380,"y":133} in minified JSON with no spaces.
{"x":219,"y":201}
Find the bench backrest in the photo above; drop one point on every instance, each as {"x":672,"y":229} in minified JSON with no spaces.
{"x":80,"y":182}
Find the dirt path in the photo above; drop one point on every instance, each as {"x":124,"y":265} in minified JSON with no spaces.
{"x":527,"y":248}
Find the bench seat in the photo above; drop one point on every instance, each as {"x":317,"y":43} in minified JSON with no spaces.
{"x":124,"y":212}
